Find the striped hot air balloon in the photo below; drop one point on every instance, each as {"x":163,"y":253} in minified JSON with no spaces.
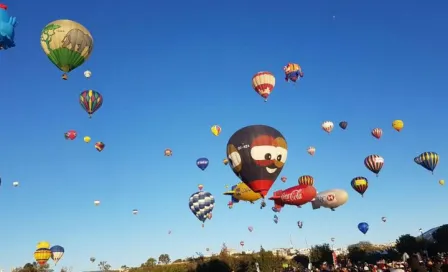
{"x":263,"y":83}
{"x":306,"y":180}
{"x":360,"y":185}
{"x":201,"y":205}
{"x":428,"y":160}
{"x":42,"y":255}
{"x":377,"y":133}
{"x":374,"y":163}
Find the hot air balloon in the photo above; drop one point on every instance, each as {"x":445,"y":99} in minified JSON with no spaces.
{"x":327,"y":126}
{"x":42,"y":255}
{"x":250,"y":228}
{"x":200,"y":187}
{"x":242,"y":243}
{"x":43,"y":244}
{"x":134,"y":211}
{"x":210,"y":215}
{"x":363,"y":227}
{"x":300,"y":224}
{"x":230,"y":204}
{"x":15,"y":184}
{"x":7,"y":28}
{"x":332,"y":239}
{"x":384,"y":219}
{"x":70,"y":135}
{"x":398,"y":125}
{"x":263,"y":83}
{"x":428,"y":160}
{"x":377,"y":133}
{"x":216,"y":130}
{"x":275,"y":219}
{"x":96,"y":202}
{"x":306,"y":180}
{"x":202,"y":163}
{"x":360,"y":185}
{"x":87,"y":139}
{"x":343,"y":125}
{"x":201,"y":204}
{"x":67,"y":44}
{"x":311,"y":150}
{"x":374,"y":163}
{"x":441,"y":182}
{"x":274,"y":209}
{"x":262,"y":204}
{"x":90,"y":101}
{"x":293,"y":72}
{"x":284,"y":179}
{"x":169,"y":232}
{"x":257,"y":155}
{"x":92,"y":259}
{"x":99,"y":146}
{"x":225,"y":161}
{"x":87,"y":74}
{"x":56,"y":253}
{"x":168,"y":152}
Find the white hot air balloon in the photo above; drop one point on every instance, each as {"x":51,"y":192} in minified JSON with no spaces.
{"x":87,"y":74}
{"x":15,"y":184}
{"x":327,"y":126}
{"x":96,"y":202}
{"x":134,"y":211}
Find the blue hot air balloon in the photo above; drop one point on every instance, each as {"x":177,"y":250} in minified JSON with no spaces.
{"x":363,"y":227}
{"x":7,"y":25}
{"x":202,"y":163}
{"x":201,"y":204}
{"x":56,"y":253}
{"x":275,"y":219}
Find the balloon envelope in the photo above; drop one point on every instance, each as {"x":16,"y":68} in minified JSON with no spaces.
{"x":363,"y":227}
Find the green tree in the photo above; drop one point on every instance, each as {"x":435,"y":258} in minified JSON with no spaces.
{"x":407,"y":243}
{"x":321,"y":253}
{"x":151,"y":262}
{"x":164,"y":258}
{"x":104,"y":266}
{"x":301,"y":259}
{"x":124,"y":268}
{"x":214,"y":265}
{"x":356,"y":253}
{"x":441,"y":238}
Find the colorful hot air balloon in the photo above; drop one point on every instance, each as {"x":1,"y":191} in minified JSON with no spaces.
{"x":200,"y":187}
{"x":363,"y":227}
{"x":56,"y":253}
{"x":442,"y":182}
{"x":230,"y":204}
{"x":134,"y":211}
{"x":275,"y":219}
{"x":70,"y":135}
{"x":87,"y":74}
{"x":201,"y":204}
{"x":384,"y":219}
{"x":284,"y":179}
{"x":428,"y":160}
{"x":42,"y":255}
{"x":327,"y":126}
{"x":99,"y":146}
{"x":202,"y":163}
{"x":216,"y":130}
{"x":43,"y":244}
{"x":250,"y":228}
{"x":87,"y":139}
{"x":300,"y":224}
{"x":225,"y":161}
{"x":168,"y":152}
{"x":92,"y":259}
{"x":263,"y":83}
{"x":67,"y":44}
{"x":242,"y":243}
{"x":7,"y":28}
{"x":311,"y":150}
{"x":377,"y":133}
{"x":360,"y":185}
{"x":306,"y":180}
{"x":293,"y":72}
{"x":96,"y":202}
{"x":257,"y":155}
{"x":90,"y":101}
{"x":374,"y":163}
{"x":398,"y":125}
{"x":343,"y":125}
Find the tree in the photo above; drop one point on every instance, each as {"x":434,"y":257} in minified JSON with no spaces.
{"x":124,"y":268}
{"x":151,"y":262}
{"x":164,"y":258}
{"x":407,"y":243}
{"x":104,"y":266}
{"x":441,"y":238}
{"x":302,"y":259}
{"x":66,"y":269}
{"x":361,"y":252}
{"x":214,"y":265}
{"x":29,"y":267}
{"x":320,"y":254}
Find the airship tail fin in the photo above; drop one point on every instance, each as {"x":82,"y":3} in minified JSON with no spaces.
{"x":278,"y":203}
{"x":234,"y":200}
{"x":315,"y":204}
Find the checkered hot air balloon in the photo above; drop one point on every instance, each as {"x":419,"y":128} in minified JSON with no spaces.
{"x":201,"y":204}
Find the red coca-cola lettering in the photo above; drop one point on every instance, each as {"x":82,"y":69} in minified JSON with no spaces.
{"x":292,"y":196}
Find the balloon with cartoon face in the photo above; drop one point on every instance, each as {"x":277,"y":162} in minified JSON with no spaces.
{"x":257,"y":155}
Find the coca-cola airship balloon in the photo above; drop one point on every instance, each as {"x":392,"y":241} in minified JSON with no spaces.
{"x":330,"y":199}
{"x":297,"y":195}
{"x":257,"y":155}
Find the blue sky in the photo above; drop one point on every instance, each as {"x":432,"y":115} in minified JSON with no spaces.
{"x":169,"y":71}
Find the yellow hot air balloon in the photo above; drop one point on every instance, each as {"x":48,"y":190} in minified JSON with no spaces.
{"x":398,"y":125}
{"x":216,"y":130}
{"x":42,"y":255}
{"x":43,"y":244}
{"x":441,"y":182}
{"x":87,"y":139}
{"x":67,"y":44}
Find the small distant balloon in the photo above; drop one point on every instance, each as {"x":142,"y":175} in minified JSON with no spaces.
{"x":87,"y":74}
{"x":377,"y":133}
{"x":343,"y":125}
{"x":134,"y":211}
{"x":96,"y":202}
{"x":242,"y":243}
{"x":99,"y":146}
{"x":15,"y":184}
{"x":284,"y":179}
{"x":327,"y":126}
{"x":311,"y":150}
{"x":225,"y":161}
{"x":87,"y":139}
{"x":384,"y":219}
{"x":216,"y":130}
{"x":363,"y":227}
{"x":70,"y":135}
{"x":168,"y":152}
{"x":200,"y":187}
{"x":92,"y":259}
{"x":250,"y":228}
{"x":202,"y":163}
{"x":442,"y":182}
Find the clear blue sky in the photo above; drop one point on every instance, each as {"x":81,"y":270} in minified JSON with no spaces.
{"x":170,"y":70}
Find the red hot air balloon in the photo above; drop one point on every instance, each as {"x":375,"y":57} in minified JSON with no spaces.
{"x":257,"y":155}
{"x":99,"y":146}
{"x":297,"y":196}
{"x":377,"y":133}
{"x":263,"y":83}
{"x":284,"y":179}
{"x":70,"y":135}
{"x":374,"y":163}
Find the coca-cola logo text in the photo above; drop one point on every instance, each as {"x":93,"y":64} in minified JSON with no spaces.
{"x":292,"y":196}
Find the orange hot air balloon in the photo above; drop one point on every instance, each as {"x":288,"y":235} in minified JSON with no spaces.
{"x":200,"y":187}
{"x":306,"y":180}
{"x":168,"y":152}
{"x":42,"y":255}
{"x":311,"y":150}
{"x":284,"y":179}
{"x":263,"y":83}
{"x":377,"y":133}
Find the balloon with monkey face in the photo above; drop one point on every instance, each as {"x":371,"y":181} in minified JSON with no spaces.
{"x":257,"y":155}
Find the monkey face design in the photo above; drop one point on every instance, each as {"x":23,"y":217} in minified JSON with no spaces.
{"x":269,"y":153}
